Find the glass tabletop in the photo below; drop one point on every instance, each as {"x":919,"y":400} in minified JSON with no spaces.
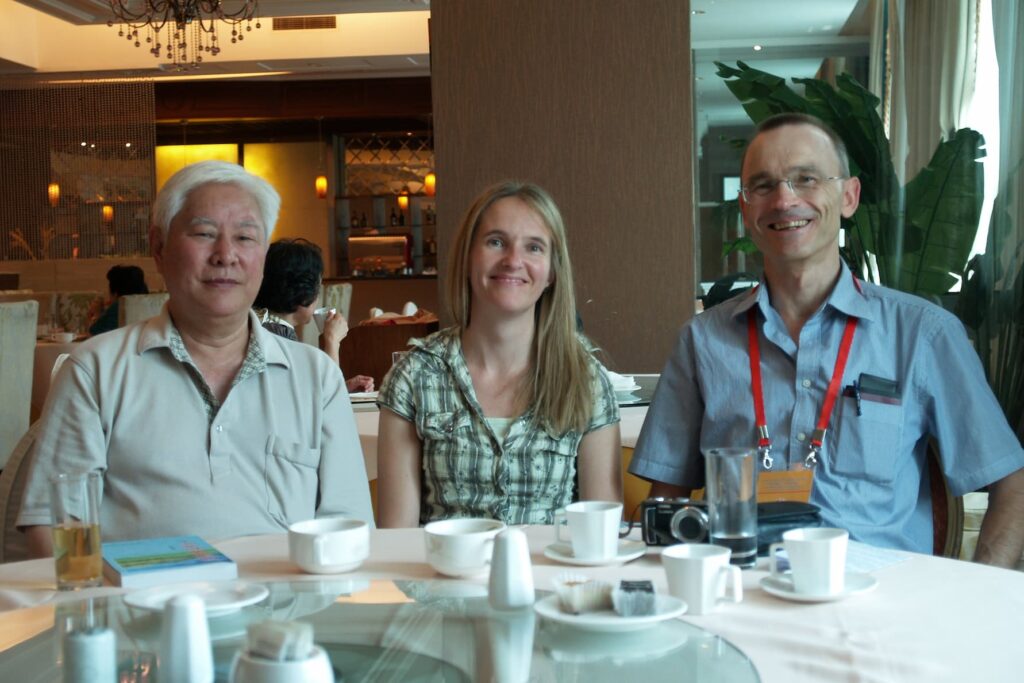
{"x":400,"y":631}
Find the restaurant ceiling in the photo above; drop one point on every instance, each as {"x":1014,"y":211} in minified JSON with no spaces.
{"x":98,"y":11}
{"x":388,"y":38}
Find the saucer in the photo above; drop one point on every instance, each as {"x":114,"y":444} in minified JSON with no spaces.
{"x":665,"y":607}
{"x":782,"y":587}
{"x":628,"y":551}
{"x":220,"y":598}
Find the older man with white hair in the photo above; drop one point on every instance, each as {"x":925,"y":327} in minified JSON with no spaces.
{"x":202,"y":421}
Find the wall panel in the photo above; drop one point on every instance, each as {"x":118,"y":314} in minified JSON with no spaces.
{"x":592,"y":101}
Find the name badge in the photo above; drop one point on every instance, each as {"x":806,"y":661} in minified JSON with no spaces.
{"x":795,"y":485}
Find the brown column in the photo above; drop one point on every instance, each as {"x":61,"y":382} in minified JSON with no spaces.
{"x":592,"y":100}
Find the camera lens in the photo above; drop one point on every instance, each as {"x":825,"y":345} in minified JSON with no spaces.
{"x":689,"y":524}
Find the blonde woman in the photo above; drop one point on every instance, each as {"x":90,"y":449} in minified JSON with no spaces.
{"x":499,"y":415}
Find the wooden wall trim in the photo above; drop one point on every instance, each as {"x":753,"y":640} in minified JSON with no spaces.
{"x":342,"y":98}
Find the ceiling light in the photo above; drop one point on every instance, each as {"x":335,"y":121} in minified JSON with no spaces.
{"x":189,"y":26}
{"x":758,"y":48}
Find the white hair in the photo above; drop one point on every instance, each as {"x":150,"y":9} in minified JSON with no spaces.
{"x":172,"y":197}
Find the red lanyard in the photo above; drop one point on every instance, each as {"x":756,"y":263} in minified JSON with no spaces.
{"x":764,"y":442}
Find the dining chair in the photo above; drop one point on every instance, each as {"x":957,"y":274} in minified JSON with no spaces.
{"x":338,"y":295}
{"x":13,"y":547}
{"x":132,"y":308}
{"x":47,"y":303}
{"x":17,"y":352}
{"x":367,"y":349}
{"x":634,"y":489}
{"x":73,"y":309}
{"x":947,"y":509}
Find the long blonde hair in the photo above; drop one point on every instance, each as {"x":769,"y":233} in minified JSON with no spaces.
{"x":560,"y":386}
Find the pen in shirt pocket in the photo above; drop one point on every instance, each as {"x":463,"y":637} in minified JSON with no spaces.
{"x":875,"y":389}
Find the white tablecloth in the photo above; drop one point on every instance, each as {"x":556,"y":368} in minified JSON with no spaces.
{"x":930,"y":619}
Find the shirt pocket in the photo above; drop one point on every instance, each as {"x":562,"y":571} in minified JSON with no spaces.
{"x":867,"y":445}
{"x":444,"y":426}
{"x":548,"y":475}
{"x":291,"y":477}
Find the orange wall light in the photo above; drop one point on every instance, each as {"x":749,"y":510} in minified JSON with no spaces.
{"x":53,"y":193}
{"x":429,"y":184}
{"x":108,"y":213}
{"x":321,"y":186}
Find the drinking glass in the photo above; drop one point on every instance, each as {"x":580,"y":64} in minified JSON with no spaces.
{"x":732,"y":501}
{"x":75,"y":505}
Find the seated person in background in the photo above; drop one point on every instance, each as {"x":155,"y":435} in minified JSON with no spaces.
{"x":921,"y":377}
{"x":122,"y":281}
{"x":201,"y":421}
{"x":496,"y":416}
{"x":291,"y":281}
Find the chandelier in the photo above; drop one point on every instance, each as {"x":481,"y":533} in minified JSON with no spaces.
{"x":182,"y":30}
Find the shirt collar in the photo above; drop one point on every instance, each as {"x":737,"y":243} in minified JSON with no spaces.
{"x":160,"y":332}
{"x":847,"y":297}
{"x":266,"y":316}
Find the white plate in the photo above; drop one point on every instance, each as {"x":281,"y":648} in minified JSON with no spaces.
{"x":362,"y":396}
{"x":220,"y":597}
{"x":665,"y":607}
{"x":628,"y":551}
{"x":782,"y":587}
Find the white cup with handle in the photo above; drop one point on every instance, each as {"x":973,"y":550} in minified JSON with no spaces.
{"x":817,"y":559}
{"x":593,"y":528}
{"x":700,"y":575}
{"x":329,"y":545}
{"x":461,"y":547}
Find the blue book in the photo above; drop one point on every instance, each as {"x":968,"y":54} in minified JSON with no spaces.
{"x":175,"y":559}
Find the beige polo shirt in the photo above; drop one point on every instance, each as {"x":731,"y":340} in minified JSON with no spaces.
{"x":281,"y":448}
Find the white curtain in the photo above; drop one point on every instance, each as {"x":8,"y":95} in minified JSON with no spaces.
{"x":932,"y":51}
{"x":1008,"y":29}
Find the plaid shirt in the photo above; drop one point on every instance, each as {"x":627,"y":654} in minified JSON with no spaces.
{"x":255,"y":362}
{"x":467,"y":470}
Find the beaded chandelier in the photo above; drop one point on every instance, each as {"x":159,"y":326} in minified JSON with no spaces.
{"x":182,"y":30}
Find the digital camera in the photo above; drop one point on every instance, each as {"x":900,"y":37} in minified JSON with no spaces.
{"x":668,"y":521}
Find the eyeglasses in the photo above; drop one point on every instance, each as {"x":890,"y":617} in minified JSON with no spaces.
{"x":802,"y":185}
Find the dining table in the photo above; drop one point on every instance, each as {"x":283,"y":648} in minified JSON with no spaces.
{"x":394,"y":618}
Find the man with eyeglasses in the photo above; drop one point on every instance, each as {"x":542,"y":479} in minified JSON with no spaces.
{"x":826,"y":373}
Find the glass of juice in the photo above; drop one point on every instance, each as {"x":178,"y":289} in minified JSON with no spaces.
{"x":75,"y":504}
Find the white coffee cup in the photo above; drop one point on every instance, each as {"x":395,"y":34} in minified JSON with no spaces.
{"x":700,"y":574}
{"x":330,"y":545}
{"x":461,"y":547}
{"x":320,"y":317}
{"x":817,"y":559}
{"x":593,"y":528}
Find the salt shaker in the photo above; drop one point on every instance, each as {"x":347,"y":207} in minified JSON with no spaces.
{"x":185,"y":652}
{"x":511,"y":583}
{"x":90,"y":656}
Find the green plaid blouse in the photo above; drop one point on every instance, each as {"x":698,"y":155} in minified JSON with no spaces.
{"x":467,"y":471}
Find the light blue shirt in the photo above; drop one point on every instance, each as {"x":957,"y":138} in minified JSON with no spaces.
{"x":873,"y":477}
